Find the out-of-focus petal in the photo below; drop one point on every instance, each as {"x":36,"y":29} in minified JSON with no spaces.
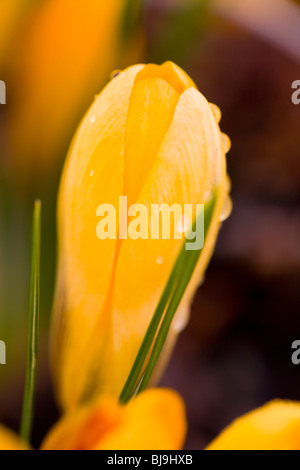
{"x":12,"y":13}
{"x":153,"y":420}
{"x":10,"y":441}
{"x":275,"y":426}
{"x":63,"y":56}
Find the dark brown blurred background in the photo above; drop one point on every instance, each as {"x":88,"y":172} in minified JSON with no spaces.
{"x":236,"y":351}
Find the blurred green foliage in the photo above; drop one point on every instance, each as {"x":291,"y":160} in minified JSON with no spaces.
{"x":176,"y":29}
{"x":132,"y":18}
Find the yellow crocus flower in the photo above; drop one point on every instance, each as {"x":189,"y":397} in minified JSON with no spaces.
{"x":11,"y":17}
{"x":156,"y":420}
{"x":153,"y":137}
{"x":153,"y":420}
{"x":63,"y":55}
{"x":275,"y":426}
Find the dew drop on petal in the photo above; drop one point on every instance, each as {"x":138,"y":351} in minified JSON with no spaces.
{"x":207,"y":196}
{"x":181,"y":319}
{"x":115,"y":73}
{"x":226,"y":209}
{"x":183,"y":224}
{"x":226,"y":143}
{"x":216,"y":112}
{"x":93,"y":118}
{"x":159,"y":260}
{"x":92,"y":172}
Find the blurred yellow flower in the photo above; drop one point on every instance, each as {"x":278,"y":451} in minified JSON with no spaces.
{"x":275,"y":426}
{"x":155,"y":419}
{"x":63,"y":55}
{"x":12,"y":14}
{"x":153,"y":137}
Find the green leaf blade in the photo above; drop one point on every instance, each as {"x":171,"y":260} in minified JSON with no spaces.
{"x":190,"y":259}
{"x":161,"y":321}
{"x":32,"y":346}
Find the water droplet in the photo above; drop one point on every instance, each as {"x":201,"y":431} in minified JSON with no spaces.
{"x":226,"y":209}
{"x":207,"y":196}
{"x":181,"y":319}
{"x":115,"y":73}
{"x":159,"y":260}
{"x":226,"y":143}
{"x":92,"y":172}
{"x":216,"y":112}
{"x":183,"y":224}
{"x":93,"y":119}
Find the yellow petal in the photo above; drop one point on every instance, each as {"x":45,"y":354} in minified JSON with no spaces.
{"x":152,"y":105}
{"x":10,"y":441}
{"x":153,"y":420}
{"x":275,"y":426}
{"x":86,"y":263}
{"x":153,"y":101}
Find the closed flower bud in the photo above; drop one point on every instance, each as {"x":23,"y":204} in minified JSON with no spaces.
{"x":150,"y":138}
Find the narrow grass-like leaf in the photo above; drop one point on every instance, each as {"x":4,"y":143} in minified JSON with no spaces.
{"x":32,"y":347}
{"x":190,"y":259}
{"x":150,"y":334}
{"x":170,"y":300}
